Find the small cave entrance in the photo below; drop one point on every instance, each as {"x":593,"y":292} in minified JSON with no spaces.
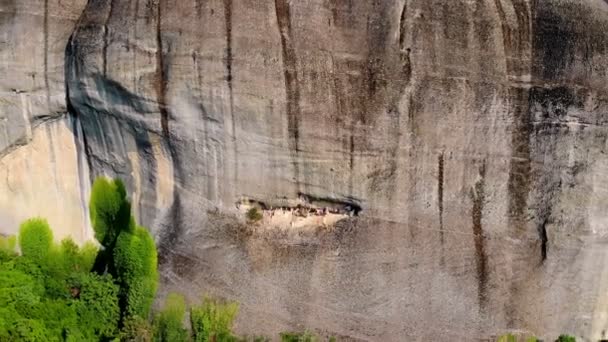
{"x":303,"y":211}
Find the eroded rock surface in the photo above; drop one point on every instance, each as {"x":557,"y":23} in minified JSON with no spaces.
{"x":41,"y":172}
{"x":472,"y":135}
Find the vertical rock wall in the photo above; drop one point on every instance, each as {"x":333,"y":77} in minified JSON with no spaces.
{"x":471,"y":133}
{"x":40,"y":173}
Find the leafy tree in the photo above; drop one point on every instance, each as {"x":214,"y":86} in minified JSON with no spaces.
{"x":110,"y":213}
{"x":35,"y":240}
{"x":168,"y":323}
{"x":96,"y":303}
{"x":136,"y":268}
{"x":565,"y":338}
{"x":212,"y":321}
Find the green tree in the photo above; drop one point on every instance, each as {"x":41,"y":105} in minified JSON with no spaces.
{"x":35,"y":240}
{"x":565,"y":338}
{"x":212,"y":321}
{"x":169,"y":322}
{"x":136,"y":268}
{"x":110,"y":213}
{"x":95,"y":299}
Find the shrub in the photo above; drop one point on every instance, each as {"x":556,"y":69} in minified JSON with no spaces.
{"x":35,"y":240}
{"x":136,"y":268}
{"x":212,"y":320}
{"x":565,"y":338}
{"x":110,"y":210}
{"x":168,"y":323}
{"x":136,"y":329}
{"x":507,"y":338}
{"x":96,"y":302}
{"x":254,"y":215}
{"x":7,"y":247}
{"x":297,"y":337}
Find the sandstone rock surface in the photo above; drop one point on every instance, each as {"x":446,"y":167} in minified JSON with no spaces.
{"x":471,"y":133}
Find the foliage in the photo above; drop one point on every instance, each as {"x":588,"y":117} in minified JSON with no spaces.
{"x":297,"y":337}
{"x":7,"y":247}
{"x":35,"y":240}
{"x":136,"y":268}
{"x":254,"y":215}
{"x":565,"y":338}
{"x":169,"y":322}
{"x":97,"y":303}
{"x":212,"y":320}
{"x":136,"y":329}
{"x":109,"y":209}
{"x":507,"y":338}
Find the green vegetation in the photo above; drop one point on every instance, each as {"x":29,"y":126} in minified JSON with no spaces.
{"x":135,"y":263}
{"x":254,"y":215}
{"x":298,"y":337}
{"x":513,"y":338}
{"x":169,"y":322}
{"x":212,"y":320}
{"x":35,"y":239}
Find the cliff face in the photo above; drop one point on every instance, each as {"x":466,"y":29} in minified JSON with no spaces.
{"x":41,"y":173}
{"x":472,"y":135}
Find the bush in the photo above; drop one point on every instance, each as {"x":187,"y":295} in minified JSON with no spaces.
{"x":212,"y":321}
{"x":297,"y":337}
{"x":35,"y":240}
{"x":136,"y":329}
{"x":96,"y":303}
{"x":7,"y":247}
{"x":110,"y":212}
{"x":254,"y":215}
{"x":565,"y":338}
{"x":507,"y":338}
{"x":168,"y":323}
{"x":136,"y":268}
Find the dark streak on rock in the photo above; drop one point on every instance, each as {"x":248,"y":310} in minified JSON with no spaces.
{"x":516,"y":42}
{"x":520,"y":164}
{"x":542,"y":231}
{"x":161,"y":83}
{"x":199,"y":8}
{"x":228,"y":21}
{"x":478,"y":196}
{"x":440,"y":180}
{"x":402,"y":30}
{"x":291,"y":82}
{"x":105,"y":38}
{"x":46,"y":53}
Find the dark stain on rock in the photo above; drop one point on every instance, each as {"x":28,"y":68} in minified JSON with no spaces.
{"x":542,"y":232}
{"x":520,"y":165}
{"x":292,"y":87}
{"x":555,"y":41}
{"x":229,"y":75}
{"x":106,"y":32}
{"x":440,"y":180}
{"x":45,"y":28}
{"x":478,"y":196}
{"x":161,"y":82}
{"x":169,"y":236}
{"x":199,"y":8}
{"x":402,"y":27}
